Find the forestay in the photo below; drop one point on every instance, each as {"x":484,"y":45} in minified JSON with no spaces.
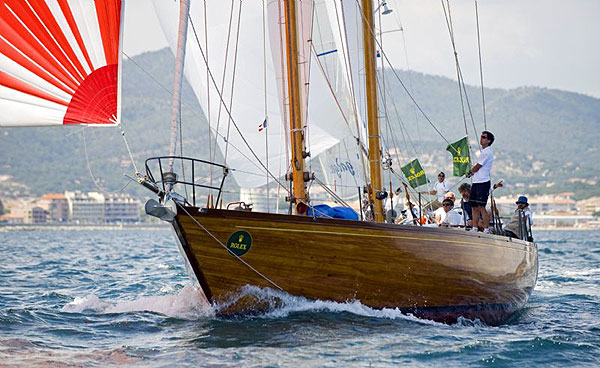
{"x":60,"y":62}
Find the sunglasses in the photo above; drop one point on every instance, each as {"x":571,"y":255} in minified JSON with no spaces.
{"x":484,"y":137}
{"x":448,"y":205}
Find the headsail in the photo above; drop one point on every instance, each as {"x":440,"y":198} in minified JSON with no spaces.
{"x":60,"y":62}
{"x":243,"y":88}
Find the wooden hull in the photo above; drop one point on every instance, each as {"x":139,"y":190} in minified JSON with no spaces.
{"x":433,"y":273}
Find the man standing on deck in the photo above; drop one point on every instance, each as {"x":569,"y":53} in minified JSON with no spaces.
{"x":482,"y":180}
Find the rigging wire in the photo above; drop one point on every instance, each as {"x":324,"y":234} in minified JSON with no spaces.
{"x":227,"y":109}
{"x":213,"y":154}
{"x":395,"y":73}
{"x":193,"y":111}
{"x":235,"y":55}
{"x":480,"y":67}
{"x":461,"y":82}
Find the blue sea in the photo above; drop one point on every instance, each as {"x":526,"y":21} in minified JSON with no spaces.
{"x":105,"y":298}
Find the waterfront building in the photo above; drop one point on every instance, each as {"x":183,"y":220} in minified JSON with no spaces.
{"x":57,"y":206}
{"x":121,"y":208}
{"x":85,"y":208}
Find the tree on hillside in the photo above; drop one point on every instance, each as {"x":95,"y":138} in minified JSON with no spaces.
{"x":1,"y":208}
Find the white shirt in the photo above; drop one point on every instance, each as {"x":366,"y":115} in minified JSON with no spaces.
{"x":440,"y":190}
{"x":454,"y":217}
{"x":440,"y":212}
{"x":486,"y":159}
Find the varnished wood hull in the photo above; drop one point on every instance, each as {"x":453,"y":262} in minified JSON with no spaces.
{"x":433,"y":273}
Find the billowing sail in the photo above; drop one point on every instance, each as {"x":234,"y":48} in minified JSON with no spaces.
{"x":337,"y":46}
{"x":243,"y":86}
{"x":60,"y":62}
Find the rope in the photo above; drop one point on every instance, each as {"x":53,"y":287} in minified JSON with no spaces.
{"x":89,"y":167}
{"x":227,"y":249}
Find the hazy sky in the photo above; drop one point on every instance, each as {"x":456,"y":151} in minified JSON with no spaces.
{"x":548,"y":43}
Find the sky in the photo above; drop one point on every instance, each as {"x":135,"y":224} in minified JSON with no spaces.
{"x":545,"y":43}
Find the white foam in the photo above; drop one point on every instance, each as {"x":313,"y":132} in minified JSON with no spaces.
{"x":188,"y":303}
{"x":284,"y":304}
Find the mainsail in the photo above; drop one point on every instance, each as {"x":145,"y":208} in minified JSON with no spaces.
{"x":60,"y":62}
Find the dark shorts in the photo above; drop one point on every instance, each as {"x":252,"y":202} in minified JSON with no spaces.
{"x":479,"y":194}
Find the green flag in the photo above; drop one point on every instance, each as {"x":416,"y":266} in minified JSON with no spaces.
{"x":460,"y":156}
{"x":415,"y":174}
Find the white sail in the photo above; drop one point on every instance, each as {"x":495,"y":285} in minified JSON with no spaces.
{"x":246,"y":149}
{"x":342,"y":165}
{"x":60,"y":62}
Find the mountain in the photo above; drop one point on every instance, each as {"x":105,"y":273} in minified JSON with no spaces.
{"x":546,"y":140}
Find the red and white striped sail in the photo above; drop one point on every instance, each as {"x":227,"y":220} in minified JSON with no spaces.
{"x":60,"y":62}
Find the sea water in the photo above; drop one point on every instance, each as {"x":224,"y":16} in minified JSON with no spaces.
{"x":102,"y":298}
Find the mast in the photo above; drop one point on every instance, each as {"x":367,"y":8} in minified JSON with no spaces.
{"x":184,"y":10}
{"x":297,"y":175}
{"x":372,"y":110}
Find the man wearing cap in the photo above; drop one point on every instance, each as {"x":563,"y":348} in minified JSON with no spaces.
{"x":480,"y":190}
{"x":440,"y":189}
{"x":512,"y":228}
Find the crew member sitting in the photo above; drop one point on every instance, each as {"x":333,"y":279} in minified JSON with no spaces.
{"x":512,"y":228}
{"x":454,"y":216}
{"x":439,"y":215}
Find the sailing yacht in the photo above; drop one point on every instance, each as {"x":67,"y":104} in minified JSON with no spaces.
{"x":285,"y":85}
{"x":308,"y":68}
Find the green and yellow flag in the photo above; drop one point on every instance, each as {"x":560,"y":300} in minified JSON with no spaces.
{"x":415,"y":174}
{"x":460,"y":156}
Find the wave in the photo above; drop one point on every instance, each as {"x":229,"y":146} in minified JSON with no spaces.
{"x":280,"y":304}
{"x":188,"y":303}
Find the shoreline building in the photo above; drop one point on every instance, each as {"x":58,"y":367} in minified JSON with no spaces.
{"x":98,"y":208}
{"x":85,"y":208}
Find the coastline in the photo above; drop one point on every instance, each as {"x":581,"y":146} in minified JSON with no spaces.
{"x":159,"y":226}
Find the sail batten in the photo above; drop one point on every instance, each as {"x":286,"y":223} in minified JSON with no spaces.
{"x":62,"y":55}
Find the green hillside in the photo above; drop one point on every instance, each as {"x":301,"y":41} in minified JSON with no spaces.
{"x":544,"y":137}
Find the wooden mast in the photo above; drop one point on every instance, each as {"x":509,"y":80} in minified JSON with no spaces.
{"x":372,"y":110}
{"x":296,"y":124}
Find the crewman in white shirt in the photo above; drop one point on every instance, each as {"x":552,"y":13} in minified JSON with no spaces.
{"x":480,"y":190}
{"x":439,"y":189}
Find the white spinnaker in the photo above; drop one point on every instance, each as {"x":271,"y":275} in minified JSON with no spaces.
{"x":247,"y":102}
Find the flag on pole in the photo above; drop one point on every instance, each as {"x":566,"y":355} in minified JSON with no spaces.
{"x":262,"y":125}
{"x":460,"y":156}
{"x":415,"y":174}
